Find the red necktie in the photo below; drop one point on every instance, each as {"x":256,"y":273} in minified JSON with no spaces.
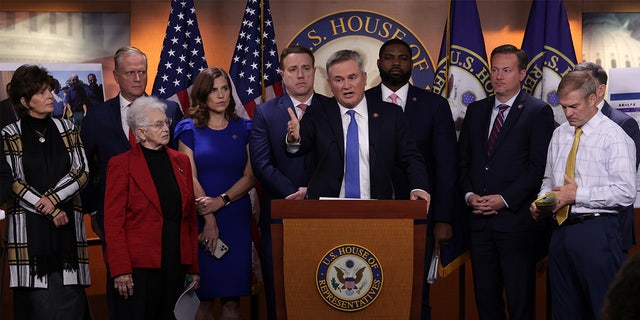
{"x":495,"y":130}
{"x":132,"y":138}
{"x":302,"y":107}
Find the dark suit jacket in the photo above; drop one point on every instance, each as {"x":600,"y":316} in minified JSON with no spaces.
{"x":626,"y":215}
{"x":432,"y":127}
{"x":516,"y":166}
{"x":279,"y":173}
{"x":133,"y":228}
{"x":103,"y":138}
{"x":389,"y":145}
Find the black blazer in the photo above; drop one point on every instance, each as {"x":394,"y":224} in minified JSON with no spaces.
{"x":389,"y":145}
{"x":515,"y":168}
{"x":432,"y":127}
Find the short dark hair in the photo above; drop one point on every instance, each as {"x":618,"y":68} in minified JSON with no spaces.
{"x":578,"y":80}
{"x":394,"y":41}
{"x":26,"y":81}
{"x":523,"y":59}
{"x":296,"y":49}
{"x":596,"y":71}
{"x":200,"y":93}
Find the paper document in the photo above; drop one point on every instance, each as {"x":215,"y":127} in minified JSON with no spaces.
{"x":187,"y":305}
{"x":433,"y":269}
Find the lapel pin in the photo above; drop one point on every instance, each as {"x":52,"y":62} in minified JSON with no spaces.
{"x":375,"y":115}
{"x":414,"y":99}
{"x":180,"y":170}
{"x":520,"y":107}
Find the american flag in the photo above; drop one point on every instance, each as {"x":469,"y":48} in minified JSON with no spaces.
{"x":182,"y":56}
{"x":255,"y":67}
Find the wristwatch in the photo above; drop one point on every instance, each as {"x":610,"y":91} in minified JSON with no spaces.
{"x":225,"y":199}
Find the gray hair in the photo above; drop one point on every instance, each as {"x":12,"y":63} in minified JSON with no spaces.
{"x":596,"y":71}
{"x":343,"y":56}
{"x":137,"y":115}
{"x":578,"y":80}
{"x":125,"y":51}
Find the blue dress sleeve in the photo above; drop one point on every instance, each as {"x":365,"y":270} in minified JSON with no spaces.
{"x":184,"y":132}
{"x":247,"y":126}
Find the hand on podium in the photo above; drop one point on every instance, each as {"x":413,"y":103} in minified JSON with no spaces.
{"x":418,"y":194}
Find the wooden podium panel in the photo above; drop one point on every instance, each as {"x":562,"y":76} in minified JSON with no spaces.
{"x":392,"y":230}
{"x":306,"y":241}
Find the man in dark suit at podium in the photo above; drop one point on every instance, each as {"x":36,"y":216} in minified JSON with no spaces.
{"x":630,"y":127}
{"x":502,"y":149}
{"x":432,"y":127}
{"x":281,"y":175}
{"x":356,"y":142}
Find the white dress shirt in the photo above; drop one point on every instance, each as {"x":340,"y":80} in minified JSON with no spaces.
{"x":605,"y":165}
{"x":124,"y":107}
{"x":296,"y":103}
{"x":495,"y":110}
{"x":362,"y":119}
{"x":402,"y":94}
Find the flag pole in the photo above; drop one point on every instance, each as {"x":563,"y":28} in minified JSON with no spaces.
{"x":264,"y":93}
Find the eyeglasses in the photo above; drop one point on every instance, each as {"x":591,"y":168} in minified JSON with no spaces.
{"x":132,"y":74}
{"x":158,"y":125}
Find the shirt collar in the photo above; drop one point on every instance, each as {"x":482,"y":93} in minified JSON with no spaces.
{"x":360,"y":108}
{"x":593,"y":123}
{"x":295,"y":102}
{"x":123,"y":102}
{"x":509,"y":102}
{"x":402,"y":93}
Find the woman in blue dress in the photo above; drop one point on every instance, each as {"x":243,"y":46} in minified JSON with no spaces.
{"x":216,"y":141}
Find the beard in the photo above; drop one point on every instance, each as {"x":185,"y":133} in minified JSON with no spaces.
{"x":395,"y":80}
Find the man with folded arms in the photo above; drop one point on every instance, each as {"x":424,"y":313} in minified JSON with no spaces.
{"x":591,"y":169}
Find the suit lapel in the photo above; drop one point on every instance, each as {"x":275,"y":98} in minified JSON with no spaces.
{"x":284,"y":103}
{"x":142,"y":176}
{"x":114,"y":113}
{"x":179,"y":173}
{"x":334,"y":117}
{"x":486,"y":122}
{"x":412,"y":100}
{"x":375,"y":121}
{"x":514,"y":113}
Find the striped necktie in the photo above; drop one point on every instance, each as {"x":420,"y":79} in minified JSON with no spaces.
{"x":497,"y":126}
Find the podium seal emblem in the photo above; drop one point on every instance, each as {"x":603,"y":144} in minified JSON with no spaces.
{"x":349,"y":277}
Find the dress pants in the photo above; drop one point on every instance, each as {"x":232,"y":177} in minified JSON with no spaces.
{"x":266,"y":263}
{"x":504,"y":262}
{"x":583,"y":261}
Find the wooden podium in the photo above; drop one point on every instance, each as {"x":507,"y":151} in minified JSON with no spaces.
{"x":304,"y":233}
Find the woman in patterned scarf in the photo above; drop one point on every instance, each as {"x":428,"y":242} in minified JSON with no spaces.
{"x":47,"y":248}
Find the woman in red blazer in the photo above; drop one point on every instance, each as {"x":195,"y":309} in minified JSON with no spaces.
{"x":150,"y":219}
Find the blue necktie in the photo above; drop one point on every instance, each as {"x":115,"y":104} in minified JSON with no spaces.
{"x":352,"y":170}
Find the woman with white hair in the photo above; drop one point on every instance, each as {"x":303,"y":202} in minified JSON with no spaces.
{"x":150,"y":219}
